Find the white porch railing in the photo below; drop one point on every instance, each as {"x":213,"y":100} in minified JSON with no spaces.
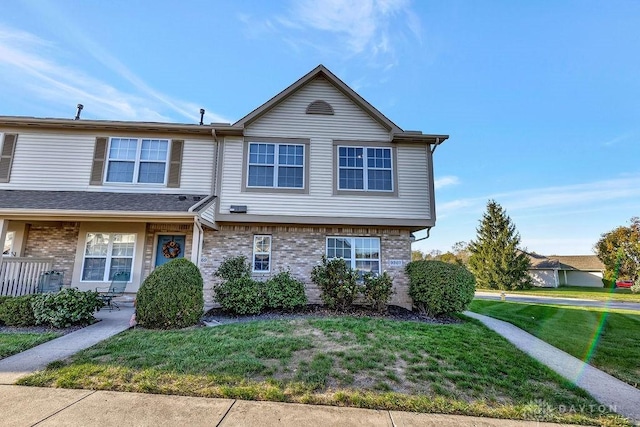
{"x":19,"y":276}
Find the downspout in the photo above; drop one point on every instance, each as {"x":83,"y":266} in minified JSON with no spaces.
{"x":432,"y":199}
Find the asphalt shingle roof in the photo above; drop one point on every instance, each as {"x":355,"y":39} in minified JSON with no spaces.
{"x":97,"y":201}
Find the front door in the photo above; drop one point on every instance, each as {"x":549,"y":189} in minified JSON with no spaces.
{"x":169,"y":247}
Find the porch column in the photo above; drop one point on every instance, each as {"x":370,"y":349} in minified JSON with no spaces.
{"x":196,"y":244}
{"x":4,"y":224}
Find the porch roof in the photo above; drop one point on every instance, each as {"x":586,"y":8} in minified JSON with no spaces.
{"x":95,"y":202}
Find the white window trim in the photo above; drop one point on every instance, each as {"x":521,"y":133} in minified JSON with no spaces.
{"x":137,"y":161}
{"x":276,"y":164}
{"x":107,"y":266}
{"x":353,"y":258}
{"x":365,"y":169}
{"x":253,"y":257}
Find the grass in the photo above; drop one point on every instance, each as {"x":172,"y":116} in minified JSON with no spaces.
{"x":616,"y":348}
{"x":12,"y":343}
{"x":600,"y":294}
{"x":371,"y":363}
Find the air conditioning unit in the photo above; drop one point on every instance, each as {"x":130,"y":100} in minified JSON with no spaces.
{"x":238,"y":209}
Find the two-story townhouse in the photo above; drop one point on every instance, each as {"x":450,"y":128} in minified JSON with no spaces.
{"x":314,"y":171}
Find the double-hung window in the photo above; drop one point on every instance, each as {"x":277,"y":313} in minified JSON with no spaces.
{"x":261,"y":254}
{"x":137,"y":160}
{"x":365,"y":168}
{"x":360,"y":253}
{"x":106,"y":254}
{"x":276,"y":165}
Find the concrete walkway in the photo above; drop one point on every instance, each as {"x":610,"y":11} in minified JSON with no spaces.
{"x":28,"y":406}
{"x":37,"y":358}
{"x":539,"y":299}
{"x":616,"y":395}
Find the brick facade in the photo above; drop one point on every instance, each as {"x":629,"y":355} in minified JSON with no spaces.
{"x":299,"y":249}
{"x":58,"y":240}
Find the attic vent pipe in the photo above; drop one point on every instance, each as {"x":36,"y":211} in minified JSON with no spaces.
{"x":201,"y":116}
{"x":80,"y":107}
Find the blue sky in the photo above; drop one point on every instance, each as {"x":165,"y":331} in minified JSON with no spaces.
{"x":541,"y":99}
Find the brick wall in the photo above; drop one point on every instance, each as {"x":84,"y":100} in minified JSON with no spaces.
{"x":299,"y":249}
{"x":58,"y":240}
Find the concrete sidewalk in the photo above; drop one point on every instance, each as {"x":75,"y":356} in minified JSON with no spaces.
{"x":37,"y":358}
{"x":27,"y":406}
{"x":607,"y":390}
{"x":540,"y":299}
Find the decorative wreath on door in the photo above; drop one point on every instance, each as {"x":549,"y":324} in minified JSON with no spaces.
{"x":171,"y":249}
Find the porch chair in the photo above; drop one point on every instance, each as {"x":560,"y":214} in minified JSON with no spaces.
{"x":116,"y":289}
{"x":50,"y":282}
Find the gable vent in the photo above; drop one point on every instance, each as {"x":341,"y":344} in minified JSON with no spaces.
{"x":320,"y":107}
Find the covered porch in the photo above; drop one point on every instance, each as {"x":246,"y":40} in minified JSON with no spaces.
{"x":88,"y":247}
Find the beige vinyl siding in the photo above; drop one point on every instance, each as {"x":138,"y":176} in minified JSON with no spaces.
{"x":289,"y":118}
{"x":58,"y":162}
{"x":413,"y":188}
{"x":209,"y":213}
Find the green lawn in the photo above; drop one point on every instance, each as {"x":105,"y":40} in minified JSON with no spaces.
{"x":12,"y":343}
{"x":372,"y":363}
{"x":575,"y":329}
{"x":600,"y":294}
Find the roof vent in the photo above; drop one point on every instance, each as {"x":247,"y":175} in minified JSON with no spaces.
{"x":80,"y":107}
{"x":182,"y":198}
{"x":320,"y":107}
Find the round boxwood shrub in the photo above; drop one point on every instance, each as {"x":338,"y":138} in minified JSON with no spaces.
{"x":171,"y":297}
{"x":17,"y":311}
{"x":438,"y":288}
{"x":284,"y":291}
{"x":337,"y":282}
{"x":242,"y":295}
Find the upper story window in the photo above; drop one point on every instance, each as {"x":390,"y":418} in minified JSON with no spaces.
{"x":137,"y":160}
{"x":365,"y":168}
{"x":276,"y":165}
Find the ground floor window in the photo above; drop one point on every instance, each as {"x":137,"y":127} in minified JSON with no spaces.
{"x":261,"y":254}
{"x":8,"y":243}
{"x":106,"y":254}
{"x":361,"y":253}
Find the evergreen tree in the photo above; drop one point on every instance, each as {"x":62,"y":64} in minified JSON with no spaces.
{"x":495,"y":258}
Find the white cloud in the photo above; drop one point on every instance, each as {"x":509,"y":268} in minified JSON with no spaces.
{"x":30,"y":62}
{"x":365,"y":27}
{"x":445,"y":181}
{"x":553,"y":200}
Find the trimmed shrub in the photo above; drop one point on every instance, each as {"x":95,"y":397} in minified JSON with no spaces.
{"x":241,"y":295}
{"x":65,"y":308}
{"x":285,"y":292}
{"x":233,"y":268}
{"x":337,"y":283}
{"x":439,"y":288}
{"x":17,"y":311}
{"x":377,"y":290}
{"x":171,"y":297}
{"x":635,"y":288}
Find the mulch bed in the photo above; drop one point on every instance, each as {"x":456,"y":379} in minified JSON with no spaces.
{"x":315,"y":310}
{"x":38,"y":329}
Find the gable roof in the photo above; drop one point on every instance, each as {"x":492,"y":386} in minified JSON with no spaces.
{"x":320,"y":71}
{"x":565,"y":262}
{"x":579,"y":262}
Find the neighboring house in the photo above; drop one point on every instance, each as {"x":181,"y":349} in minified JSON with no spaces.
{"x":314,"y":171}
{"x":570,"y":270}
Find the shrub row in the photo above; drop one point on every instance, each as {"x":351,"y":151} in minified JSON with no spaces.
{"x":60,"y":310}
{"x":240,"y":294}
